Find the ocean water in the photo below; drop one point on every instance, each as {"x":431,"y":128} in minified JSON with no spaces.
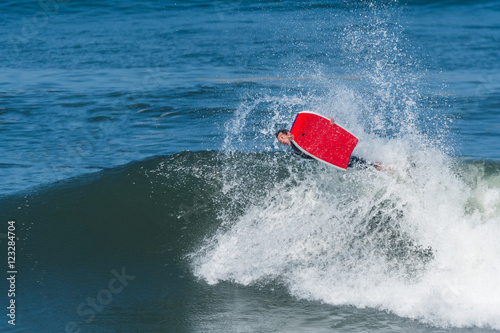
{"x":149,"y":194}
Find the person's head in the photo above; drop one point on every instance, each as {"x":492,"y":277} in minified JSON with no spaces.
{"x":284,"y":137}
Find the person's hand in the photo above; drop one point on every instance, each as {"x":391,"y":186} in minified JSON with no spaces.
{"x":332,"y":121}
{"x":291,"y":137}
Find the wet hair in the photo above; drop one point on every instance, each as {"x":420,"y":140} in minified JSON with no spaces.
{"x":281,"y":131}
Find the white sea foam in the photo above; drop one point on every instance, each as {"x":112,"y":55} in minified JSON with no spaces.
{"x":420,"y":242}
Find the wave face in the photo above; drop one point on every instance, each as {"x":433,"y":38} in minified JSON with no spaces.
{"x":420,"y":242}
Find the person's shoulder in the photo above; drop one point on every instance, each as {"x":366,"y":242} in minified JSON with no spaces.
{"x":297,"y":152}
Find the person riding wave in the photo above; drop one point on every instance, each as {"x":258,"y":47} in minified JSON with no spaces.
{"x":285,"y":137}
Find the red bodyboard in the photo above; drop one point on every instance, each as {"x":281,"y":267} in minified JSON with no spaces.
{"x":317,"y":137}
